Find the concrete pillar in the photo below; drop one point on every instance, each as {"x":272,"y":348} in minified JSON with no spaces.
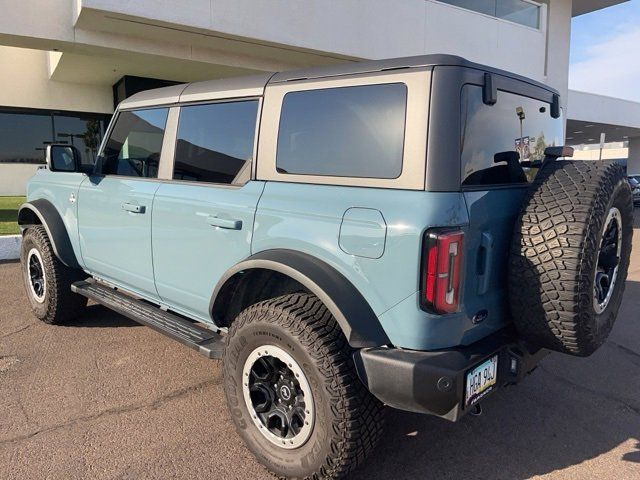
{"x":557,"y":49}
{"x":558,"y":42}
{"x":633,"y":163}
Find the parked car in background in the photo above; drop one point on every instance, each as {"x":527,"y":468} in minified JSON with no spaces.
{"x":400,"y":232}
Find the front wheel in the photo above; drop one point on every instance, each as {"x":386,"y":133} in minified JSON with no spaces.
{"x":47,"y":280}
{"x":293,"y":392}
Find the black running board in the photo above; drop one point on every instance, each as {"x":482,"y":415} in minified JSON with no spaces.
{"x":205,"y":341}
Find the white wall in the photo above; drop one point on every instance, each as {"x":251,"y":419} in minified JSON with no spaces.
{"x":24,"y":82}
{"x":14,"y":178}
{"x":370,"y":29}
{"x":485,"y":39}
{"x":359,"y":28}
{"x":282,"y":34}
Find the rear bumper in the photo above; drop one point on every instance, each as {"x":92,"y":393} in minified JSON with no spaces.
{"x":434,"y":382}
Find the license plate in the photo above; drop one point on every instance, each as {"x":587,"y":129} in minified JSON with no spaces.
{"x":481,"y":380}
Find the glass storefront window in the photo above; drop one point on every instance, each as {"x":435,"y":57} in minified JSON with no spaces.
{"x":517,"y":11}
{"x":523,"y":12}
{"x":24,"y":134}
{"x":488,"y":7}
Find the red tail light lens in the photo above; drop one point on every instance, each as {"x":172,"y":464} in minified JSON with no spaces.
{"x":441,"y":275}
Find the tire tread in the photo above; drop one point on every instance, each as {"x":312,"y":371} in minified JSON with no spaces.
{"x":553,"y":250}
{"x":61,"y":304}
{"x":358,"y":416}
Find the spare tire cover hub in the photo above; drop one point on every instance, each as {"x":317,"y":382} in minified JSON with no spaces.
{"x":608,"y":260}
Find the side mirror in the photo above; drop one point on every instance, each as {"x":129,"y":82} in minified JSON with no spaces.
{"x":63,"y":158}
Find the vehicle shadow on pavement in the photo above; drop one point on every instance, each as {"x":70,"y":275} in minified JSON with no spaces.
{"x":570,"y":410}
{"x":97,"y":316}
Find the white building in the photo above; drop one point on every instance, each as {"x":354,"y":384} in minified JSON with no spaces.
{"x":65,"y":63}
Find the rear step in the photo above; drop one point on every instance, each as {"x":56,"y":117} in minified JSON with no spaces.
{"x":207,"y":342}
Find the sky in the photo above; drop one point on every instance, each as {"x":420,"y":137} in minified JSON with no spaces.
{"x":605,"y":51}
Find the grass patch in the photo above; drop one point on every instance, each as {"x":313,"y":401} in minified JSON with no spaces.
{"x":9,"y":214}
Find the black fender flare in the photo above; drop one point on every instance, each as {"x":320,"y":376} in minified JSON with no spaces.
{"x":50,"y":218}
{"x":353,"y":313}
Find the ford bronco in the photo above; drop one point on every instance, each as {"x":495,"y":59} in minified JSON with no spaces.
{"x":400,"y":233}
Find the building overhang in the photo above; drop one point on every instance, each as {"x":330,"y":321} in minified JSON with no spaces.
{"x":589,"y":115}
{"x":580,"y":7}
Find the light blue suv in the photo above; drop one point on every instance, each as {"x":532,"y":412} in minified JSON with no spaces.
{"x":395,"y":232}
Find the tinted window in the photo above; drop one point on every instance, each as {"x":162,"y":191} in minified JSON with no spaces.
{"x":25,"y":133}
{"x":23,"y":137}
{"x":504,"y":143}
{"x":215,"y":141}
{"x":343,"y":132}
{"x":134,"y":146}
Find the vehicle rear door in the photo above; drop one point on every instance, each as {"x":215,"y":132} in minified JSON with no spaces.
{"x":115,"y":204}
{"x":502,"y":146}
{"x":203,"y":217}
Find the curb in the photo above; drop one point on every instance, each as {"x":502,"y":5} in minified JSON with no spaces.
{"x":10,"y":247}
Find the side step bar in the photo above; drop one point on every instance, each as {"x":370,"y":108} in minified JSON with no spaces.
{"x":207,"y":342}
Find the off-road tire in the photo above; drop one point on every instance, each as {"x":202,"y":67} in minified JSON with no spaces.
{"x":555,"y":251}
{"x":60,"y":304}
{"x":348,"y":419}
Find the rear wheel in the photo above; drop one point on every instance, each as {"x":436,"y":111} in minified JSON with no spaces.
{"x":47,"y":280}
{"x":293,"y":392}
{"x":570,"y":255}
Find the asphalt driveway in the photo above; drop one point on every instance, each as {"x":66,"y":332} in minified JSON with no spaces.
{"x":106,"y":398}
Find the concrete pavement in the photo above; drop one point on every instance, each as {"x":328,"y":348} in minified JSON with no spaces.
{"x":105,"y":398}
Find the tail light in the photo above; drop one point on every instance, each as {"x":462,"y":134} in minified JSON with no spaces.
{"x":441,"y":271}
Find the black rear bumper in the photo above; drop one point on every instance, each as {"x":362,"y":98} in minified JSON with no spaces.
{"x":434,"y":382}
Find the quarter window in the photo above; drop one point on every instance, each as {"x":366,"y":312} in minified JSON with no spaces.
{"x":215,"y":141}
{"x":135,"y":143}
{"x":504,"y":143}
{"x":343,"y":132}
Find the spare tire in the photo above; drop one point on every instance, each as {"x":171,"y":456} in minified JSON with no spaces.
{"x":570,"y":255}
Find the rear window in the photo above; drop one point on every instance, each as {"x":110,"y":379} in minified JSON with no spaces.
{"x":504,"y":143}
{"x":343,"y":132}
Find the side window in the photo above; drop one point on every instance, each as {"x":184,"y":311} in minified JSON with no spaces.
{"x":215,"y":141}
{"x":135,"y":142}
{"x":343,"y":132}
{"x":504,"y":143}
